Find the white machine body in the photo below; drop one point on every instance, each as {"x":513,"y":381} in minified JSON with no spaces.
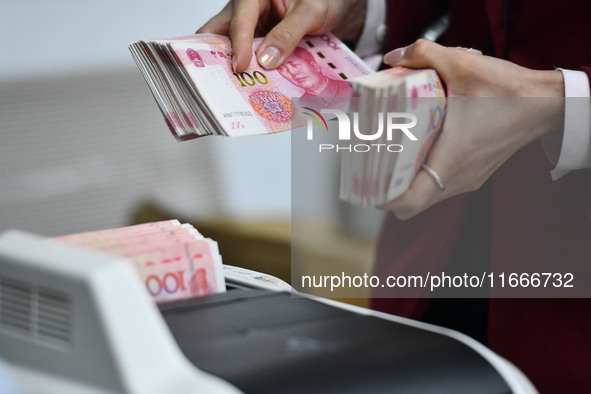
{"x":80,"y":321}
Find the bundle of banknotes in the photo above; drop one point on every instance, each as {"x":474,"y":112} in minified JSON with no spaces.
{"x":173,"y":260}
{"x":377,"y":172}
{"x":198,"y":92}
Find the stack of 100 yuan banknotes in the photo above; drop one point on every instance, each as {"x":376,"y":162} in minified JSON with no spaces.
{"x":173,"y":260}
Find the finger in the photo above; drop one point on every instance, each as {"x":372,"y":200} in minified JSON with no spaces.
{"x":422,"y":194}
{"x":245,"y":16}
{"x":421,"y":54}
{"x":220,"y":23}
{"x":282,"y":40}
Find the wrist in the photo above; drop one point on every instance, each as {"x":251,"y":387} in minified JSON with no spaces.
{"x":549,"y":87}
{"x":543,"y":84}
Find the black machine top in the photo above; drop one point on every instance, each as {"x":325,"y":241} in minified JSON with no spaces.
{"x":269,"y":342}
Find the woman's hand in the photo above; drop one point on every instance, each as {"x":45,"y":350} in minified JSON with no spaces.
{"x":284,"y":22}
{"x":494,"y":108}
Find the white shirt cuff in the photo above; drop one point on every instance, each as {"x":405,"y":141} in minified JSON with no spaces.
{"x":575,"y":152}
{"x":372,"y":38}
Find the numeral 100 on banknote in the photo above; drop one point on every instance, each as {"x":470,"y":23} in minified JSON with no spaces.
{"x":251,"y":80}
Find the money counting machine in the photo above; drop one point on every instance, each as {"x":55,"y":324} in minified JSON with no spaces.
{"x":79,"y":321}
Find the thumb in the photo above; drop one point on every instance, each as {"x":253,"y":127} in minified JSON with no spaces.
{"x":282,"y":40}
{"x":421,"y":54}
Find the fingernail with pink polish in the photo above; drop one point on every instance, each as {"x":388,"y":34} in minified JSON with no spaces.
{"x":269,"y":57}
{"x":394,"y":56}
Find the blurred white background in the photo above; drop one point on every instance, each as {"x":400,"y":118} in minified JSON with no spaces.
{"x":66,"y":35}
{"x":82,"y":142}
